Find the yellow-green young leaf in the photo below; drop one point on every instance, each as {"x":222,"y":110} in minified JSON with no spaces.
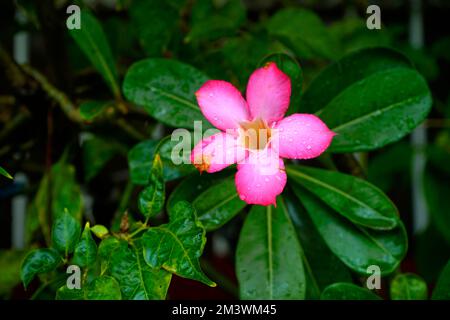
{"x":38,"y":212}
{"x":39,"y":261}
{"x":92,"y":40}
{"x":442,"y":289}
{"x":91,"y":109}
{"x":100,"y":231}
{"x":5,"y":173}
{"x":166,"y":89}
{"x":356,"y":246}
{"x":64,"y":293}
{"x":269,"y":259}
{"x":408,"y":286}
{"x":178,"y":245}
{"x":218,"y":204}
{"x":303,"y":32}
{"x":103,"y":288}
{"x":365,"y":91}
{"x":354,"y":198}
{"x":151,"y":199}
{"x":137,"y":280}
{"x":347,"y":291}
{"x":10,"y":262}
{"x":86,"y":249}
{"x":65,"y":233}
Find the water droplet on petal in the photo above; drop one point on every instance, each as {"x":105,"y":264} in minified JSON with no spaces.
{"x":308,"y":147}
{"x":290,"y":139}
{"x":258,"y":185}
{"x":266,"y":179}
{"x":242,"y":197}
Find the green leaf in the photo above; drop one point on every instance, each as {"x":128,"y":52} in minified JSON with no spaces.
{"x":194,"y":185}
{"x":154,"y":37}
{"x":408,"y":286}
{"x":365,"y":91}
{"x":89,"y":110}
{"x":269,"y":261}
{"x":354,"y":198}
{"x":38,"y":261}
{"x":347,"y":291}
{"x":103,"y":288}
{"x":166,"y":89}
{"x":10,"y":262}
{"x":218,"y":204}
{"x":5,"y":173}
{"x":437,"y":189}
{"x":356,"y":246}
{"x":66,"y":194}
{"x":86,"y":249}
{"x":105,"y":250}
{"x":100,"y":231}
{"x":303,"y":32}
{"x":178,"y":245}
{"x":38,"y":215}
{"x":140,"y":161}
{"x":92,"y":40}
{"x":65,"y":233}
{"x":211,"y":20}
{"x":291,"y":67}
{"x":137,"y":280}
{"x":64,"y":293}
{"x":322,"y":267}
{"x":442,"y":289}
{"x":151,"y":199}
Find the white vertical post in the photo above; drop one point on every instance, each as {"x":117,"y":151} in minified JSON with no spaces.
{"x":418,"y":136}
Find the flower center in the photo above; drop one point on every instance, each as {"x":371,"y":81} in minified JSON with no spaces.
{"x":255,"y":134}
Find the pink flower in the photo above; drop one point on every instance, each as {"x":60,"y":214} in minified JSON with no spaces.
{"x":255,"y":135}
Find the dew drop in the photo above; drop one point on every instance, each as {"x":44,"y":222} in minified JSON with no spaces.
{"x":290,"y":139}
{"x":266,"y":179}
{"x":258,"y":185}
{"x":242,"y":197}
{"x":308,"y":147}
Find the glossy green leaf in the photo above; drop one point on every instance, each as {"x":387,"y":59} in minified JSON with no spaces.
{"x":137,"y":280}
{"x":151,"y":199}
{"x":194,"y":185}
{"x":442,"y":289}
{"x":178,"y":245}
{"x":65,"y":233}
{"x":365,"y":91}
{"x":38,"y":261}
{"x":100,"y":231}
{"x":140,"y":160}
{"x":86,"y":249}
{"x":347,"y":291}
{"x":89,"y":110}
{"x":354,"y":198}
{"x":356,"y":246}
{"x":214,"y":19}
{"x":408,"y":286}
{"x":97,"y":152}
{"x":66,"y":194}
{"x":64,"y":293}
{"x":105,"y":250}
{"x":92,"y":40}
{"x":103,"y":288}
{"x":290,"y":67}
{"x":5,"y":173}
{"x":269,"y":261}
{"x":218,"y":204}
{"x":166,"y":89}
{"x":303,"y":32}
{"x":322,"y":267}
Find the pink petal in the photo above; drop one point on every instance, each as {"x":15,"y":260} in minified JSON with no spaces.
{"x":217,"y":152}
{"x":268,"y":93}
{"x":222,"y":104}
{"x":261,"y":178}
{"x":301,"y":136}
